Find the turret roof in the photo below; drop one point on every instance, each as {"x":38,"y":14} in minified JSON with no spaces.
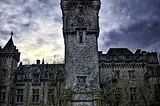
{"x":9,"y":44}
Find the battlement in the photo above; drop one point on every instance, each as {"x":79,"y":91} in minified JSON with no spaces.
{"x":123,"y":54}
{"x":80,"y":0}
{"x":70,"y":3}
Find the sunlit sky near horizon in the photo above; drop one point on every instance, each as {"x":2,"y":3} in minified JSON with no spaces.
{"x":37,"y":27}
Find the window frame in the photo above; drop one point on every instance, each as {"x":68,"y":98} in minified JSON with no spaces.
{"x":118,"y":94}
{"x":51,"y":76}
{"x":51,"y":95}
{"x":133,"y":94}
{"x":35,"y":95}
{"x":131,"y":74}
{"x":117,"y":74}
{"x":79,"y":79}
{"x":157,"y":91}
{"x":36,"y":78}
{"x":19,"y":96}
{"x":2,"y":93}
{"x":3,"y":74}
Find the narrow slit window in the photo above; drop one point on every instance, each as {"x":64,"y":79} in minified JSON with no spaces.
{"x":80,"y":37}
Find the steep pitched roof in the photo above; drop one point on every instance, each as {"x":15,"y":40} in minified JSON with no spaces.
{"x":9,"y":44}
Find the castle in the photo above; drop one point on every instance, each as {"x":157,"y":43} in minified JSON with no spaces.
{"x":88,"y":77}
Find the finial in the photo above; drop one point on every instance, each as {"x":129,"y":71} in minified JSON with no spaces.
{"x":11,"y":33}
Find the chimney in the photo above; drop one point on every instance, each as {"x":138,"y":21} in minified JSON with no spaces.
{"x":138,"y":51}
{"x":21,"y":63}
{"x":38,"y":61}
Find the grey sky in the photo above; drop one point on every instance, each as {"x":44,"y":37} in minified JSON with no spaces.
{"x":37,"y":26}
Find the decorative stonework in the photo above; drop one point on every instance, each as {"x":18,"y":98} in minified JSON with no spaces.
{"x":81,"y":87}
{"x":82,"y":60}
{"x":82,"y":104}
{"x":82,"y":96}
{"x":81,"y":30}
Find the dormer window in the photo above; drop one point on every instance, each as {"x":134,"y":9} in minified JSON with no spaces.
{"x":36,"y":76}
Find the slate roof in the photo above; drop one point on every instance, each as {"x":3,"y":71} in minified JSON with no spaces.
{"x":9,"y":45}
{"x":119,"y":51}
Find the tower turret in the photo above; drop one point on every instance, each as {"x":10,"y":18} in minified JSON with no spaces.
{"x":80,"y":31}
{"x":9,"y":57}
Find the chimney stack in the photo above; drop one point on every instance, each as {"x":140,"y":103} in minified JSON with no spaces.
{"x":38,"y":61}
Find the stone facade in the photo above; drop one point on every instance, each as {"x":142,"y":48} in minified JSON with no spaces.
{"x":126,"y":78}
{"x":81,"y":30}
{"x":9,"y":57}
{"x":88,"y":77}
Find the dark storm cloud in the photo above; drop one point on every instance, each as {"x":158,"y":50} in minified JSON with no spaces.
{"x":37,"y":23}
{"x":5,"y":1}
{"x":28,"y":11}
{"x":4,"y":32}
{"x":141,"y":34}
{"x":132,"y":24}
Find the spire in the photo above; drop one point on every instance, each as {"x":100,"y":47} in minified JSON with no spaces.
{"x":43,"y":59}
{"x":10,"y":43}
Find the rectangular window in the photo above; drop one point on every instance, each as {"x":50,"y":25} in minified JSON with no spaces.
{"x":2,"y":93}
{"x":51,"y":95}
{"x":19,"y":95}
{"x":117,"y":74}
{"x":131,"y":74}
{"x":117,"y":94}
{"x":3,"y":74}
{"x":81,"y":79}
{"x":51,"y":76}
{"x":133,"y":94}
{"x":35,"y":95}
{"x":157,"y":91}
{"x":36,"y":76}
{"x":116,"y":104}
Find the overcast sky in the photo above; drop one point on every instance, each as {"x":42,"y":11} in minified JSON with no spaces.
{"x":37,"y":26}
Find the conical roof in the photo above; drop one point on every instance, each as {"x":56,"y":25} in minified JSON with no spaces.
{"x":9,"y":44}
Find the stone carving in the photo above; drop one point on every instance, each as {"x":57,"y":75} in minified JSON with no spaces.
{"x":81,"y":87}
{"x":86,"y":13}
{"x":82,"y":96}
{"x":82,"y":104}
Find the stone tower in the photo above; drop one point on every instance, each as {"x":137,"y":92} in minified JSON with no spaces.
{"x":81,"y":30}
{"x":9,"y":58}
